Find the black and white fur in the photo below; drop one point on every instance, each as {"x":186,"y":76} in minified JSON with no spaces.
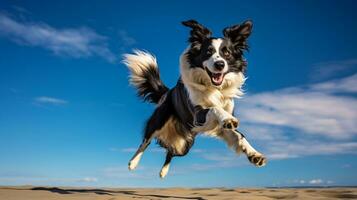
{"x":212,"y":74}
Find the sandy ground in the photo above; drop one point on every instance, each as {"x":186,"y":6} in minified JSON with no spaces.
{"x":49,"y":193}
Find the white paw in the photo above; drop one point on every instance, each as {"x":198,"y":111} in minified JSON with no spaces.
{"x":134,"y":161}
{"x":164,"y":171}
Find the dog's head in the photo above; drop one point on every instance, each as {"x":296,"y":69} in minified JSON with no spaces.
{"x":217,"y":57}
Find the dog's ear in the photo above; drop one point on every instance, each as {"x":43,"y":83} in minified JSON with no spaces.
{"x":199,"y":33}
{"x":238,"y":34}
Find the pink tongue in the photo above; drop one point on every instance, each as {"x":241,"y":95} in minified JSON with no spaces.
{"x":217,"y":78}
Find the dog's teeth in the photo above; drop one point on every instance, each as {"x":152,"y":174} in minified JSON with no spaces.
{"x":217,"y":78}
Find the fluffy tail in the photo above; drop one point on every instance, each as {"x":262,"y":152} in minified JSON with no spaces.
{"x":145,"y":75}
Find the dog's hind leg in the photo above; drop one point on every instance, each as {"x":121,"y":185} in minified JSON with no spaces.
{"x":149,"y":135}
{"x":239,"y":143}
{"x":165,"y":168}
{"x":134,"y":161}
{"x":155,"y":123}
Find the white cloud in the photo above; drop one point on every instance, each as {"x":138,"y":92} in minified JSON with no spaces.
{"x":88,"y":179}
{"x":281,"y":149}
{"x":50,"y":100}
{"x":72,"y":42}
{"x":197,"y":150}
{"x":324,"y":70}
{"x":316,"y":181}
{"x":348,"y":84}
{"x":317,"y":119}
{"x":221,"y":156}
{"x":301,"y":181}
{"x":126,"y":150}
{"x":315,"y":109}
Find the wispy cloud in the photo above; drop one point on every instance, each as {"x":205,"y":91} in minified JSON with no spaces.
{"x":218,"y":155}
{"x":50,"y":100}
{"x":325,"y":70}
{"x":283,"y":149}
{"x":345,"y":85}
{"x":317,"y":119}
{"x":88,"y":179}
{"x":316,"y":181}
{"x":314,"y":109}
{"x":124,"y":150}
{"x":311,"y":182}
{"x":126,"y":39}
{"x":72,"y":42}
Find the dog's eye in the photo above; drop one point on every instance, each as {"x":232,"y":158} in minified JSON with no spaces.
{"x":209,"y":51}
{"x":226,"y":53}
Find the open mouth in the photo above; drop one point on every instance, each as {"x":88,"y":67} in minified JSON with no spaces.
{"x":216,"y":78}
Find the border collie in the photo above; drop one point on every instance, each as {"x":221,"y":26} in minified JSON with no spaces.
{"x":212,"y":74}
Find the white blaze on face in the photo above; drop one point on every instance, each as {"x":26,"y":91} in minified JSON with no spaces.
{"x":217,"y":75}
{"x":216,"y":43}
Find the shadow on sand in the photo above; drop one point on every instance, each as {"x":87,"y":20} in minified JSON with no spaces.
{"x":109,"y":192}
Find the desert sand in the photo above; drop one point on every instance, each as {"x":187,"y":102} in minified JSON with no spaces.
{"x":51,"y":193}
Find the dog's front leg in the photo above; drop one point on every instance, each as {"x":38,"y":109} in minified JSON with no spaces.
{"x":207,"y":117}
{"x":239,"y":143}
{"x":226,"y":120}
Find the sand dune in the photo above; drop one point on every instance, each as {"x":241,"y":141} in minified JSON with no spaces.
{"x":51,"y":193}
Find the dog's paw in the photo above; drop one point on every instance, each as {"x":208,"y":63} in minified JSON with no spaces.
{"x":164,"y":171}
{"x":132,"y":165}
{"x":230,"y":123}
{"x":258,"y":159}
{"x":134,"y":162}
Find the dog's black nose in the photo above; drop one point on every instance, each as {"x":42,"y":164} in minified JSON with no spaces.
{"x":219,"y":65}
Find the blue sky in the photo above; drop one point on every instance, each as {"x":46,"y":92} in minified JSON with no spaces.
{"x":68,"y":116}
